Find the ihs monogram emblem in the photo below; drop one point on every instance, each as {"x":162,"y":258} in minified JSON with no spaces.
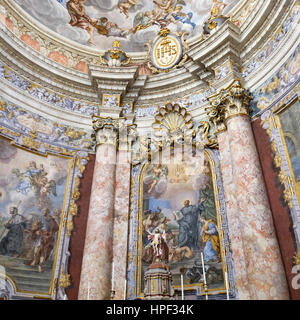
{"x":166,"y":51}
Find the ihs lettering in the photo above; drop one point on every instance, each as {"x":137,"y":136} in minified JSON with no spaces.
{"x":166,"y":49}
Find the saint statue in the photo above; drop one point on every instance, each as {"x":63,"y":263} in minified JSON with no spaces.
{"x":157,"y":249}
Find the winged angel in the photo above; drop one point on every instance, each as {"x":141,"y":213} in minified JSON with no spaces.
{"x":35,"y":178}
{"x":164,"y":13}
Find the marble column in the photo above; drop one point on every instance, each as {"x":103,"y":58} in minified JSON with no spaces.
{"x":121,"y":218}
{"x":236,"y":239}
{"x":265,"y":272}
{"x":95,"y":281}
{"x":122,"y":203}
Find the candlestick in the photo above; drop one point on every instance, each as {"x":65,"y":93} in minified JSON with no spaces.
{"x":204,"y":276}
{"x":125,"y":289}
{"x":182,"y":289}
{"x":226,"y":284}
{"x":113,"y":277}
{"x":203,"y":268}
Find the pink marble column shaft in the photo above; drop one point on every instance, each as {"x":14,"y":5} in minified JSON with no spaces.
{"x":236,"y":239}
{"x":95,"y":281}
{"x":121,"y":218}
{"x":265,"y":270}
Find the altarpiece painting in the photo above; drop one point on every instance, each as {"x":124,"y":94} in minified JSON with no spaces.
{"x":33,"y":192}
{"x":181,"y":201}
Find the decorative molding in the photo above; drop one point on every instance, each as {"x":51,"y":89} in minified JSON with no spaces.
{"x":47,"y":95}
{"x":277,"y":39}
{"x":40,"y":134}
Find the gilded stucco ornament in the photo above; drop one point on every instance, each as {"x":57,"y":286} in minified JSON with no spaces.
{"x":173,"y":126}
{"x":167,"y":51}
{"x":216,"y":114}
{"x":297,"y":259}
{"x":115,"y":57}
{"x":64,"y":280}
{"x":214,"y":22}
{"x":30,"y":142}
{"x":269,"y":124}
{"x":206,"y":139}
{"x":230,"y":102}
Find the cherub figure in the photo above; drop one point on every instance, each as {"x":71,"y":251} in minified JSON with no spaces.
{"x":165,"y":5}
{"x":125,"y":6}
{"x":218,"y":7}
{"x":158,"y":172}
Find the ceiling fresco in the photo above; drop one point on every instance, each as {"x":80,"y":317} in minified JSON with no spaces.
{"x":97,"y":23}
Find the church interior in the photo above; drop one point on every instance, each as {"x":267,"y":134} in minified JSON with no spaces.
{"x":149,"y":150}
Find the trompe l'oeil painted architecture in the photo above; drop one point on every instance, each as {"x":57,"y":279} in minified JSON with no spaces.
{"x":149,"y":150}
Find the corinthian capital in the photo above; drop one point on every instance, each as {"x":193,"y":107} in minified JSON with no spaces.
{"x":230,"y":102}
{"x":119,"y":132}
{"x":105,"y":130}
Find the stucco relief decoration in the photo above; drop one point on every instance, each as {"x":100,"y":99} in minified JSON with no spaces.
{"x":115,"y":57}
{"x":46,"y":95}
{"x":118,"y":132}
{"x":234,"y":100}
{"x":173,"y":126}
{"x":167,"y":51}
{"x":284,"y":81}
{"x":33,"y":128}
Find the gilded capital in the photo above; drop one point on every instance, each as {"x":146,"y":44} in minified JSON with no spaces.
{"x":117,"y":132}
{"x":127,"y":136}
{"x":230,"y":102}
{"x":105,"y":130}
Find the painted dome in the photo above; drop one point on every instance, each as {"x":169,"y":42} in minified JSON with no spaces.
{"x":98,"y":23}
